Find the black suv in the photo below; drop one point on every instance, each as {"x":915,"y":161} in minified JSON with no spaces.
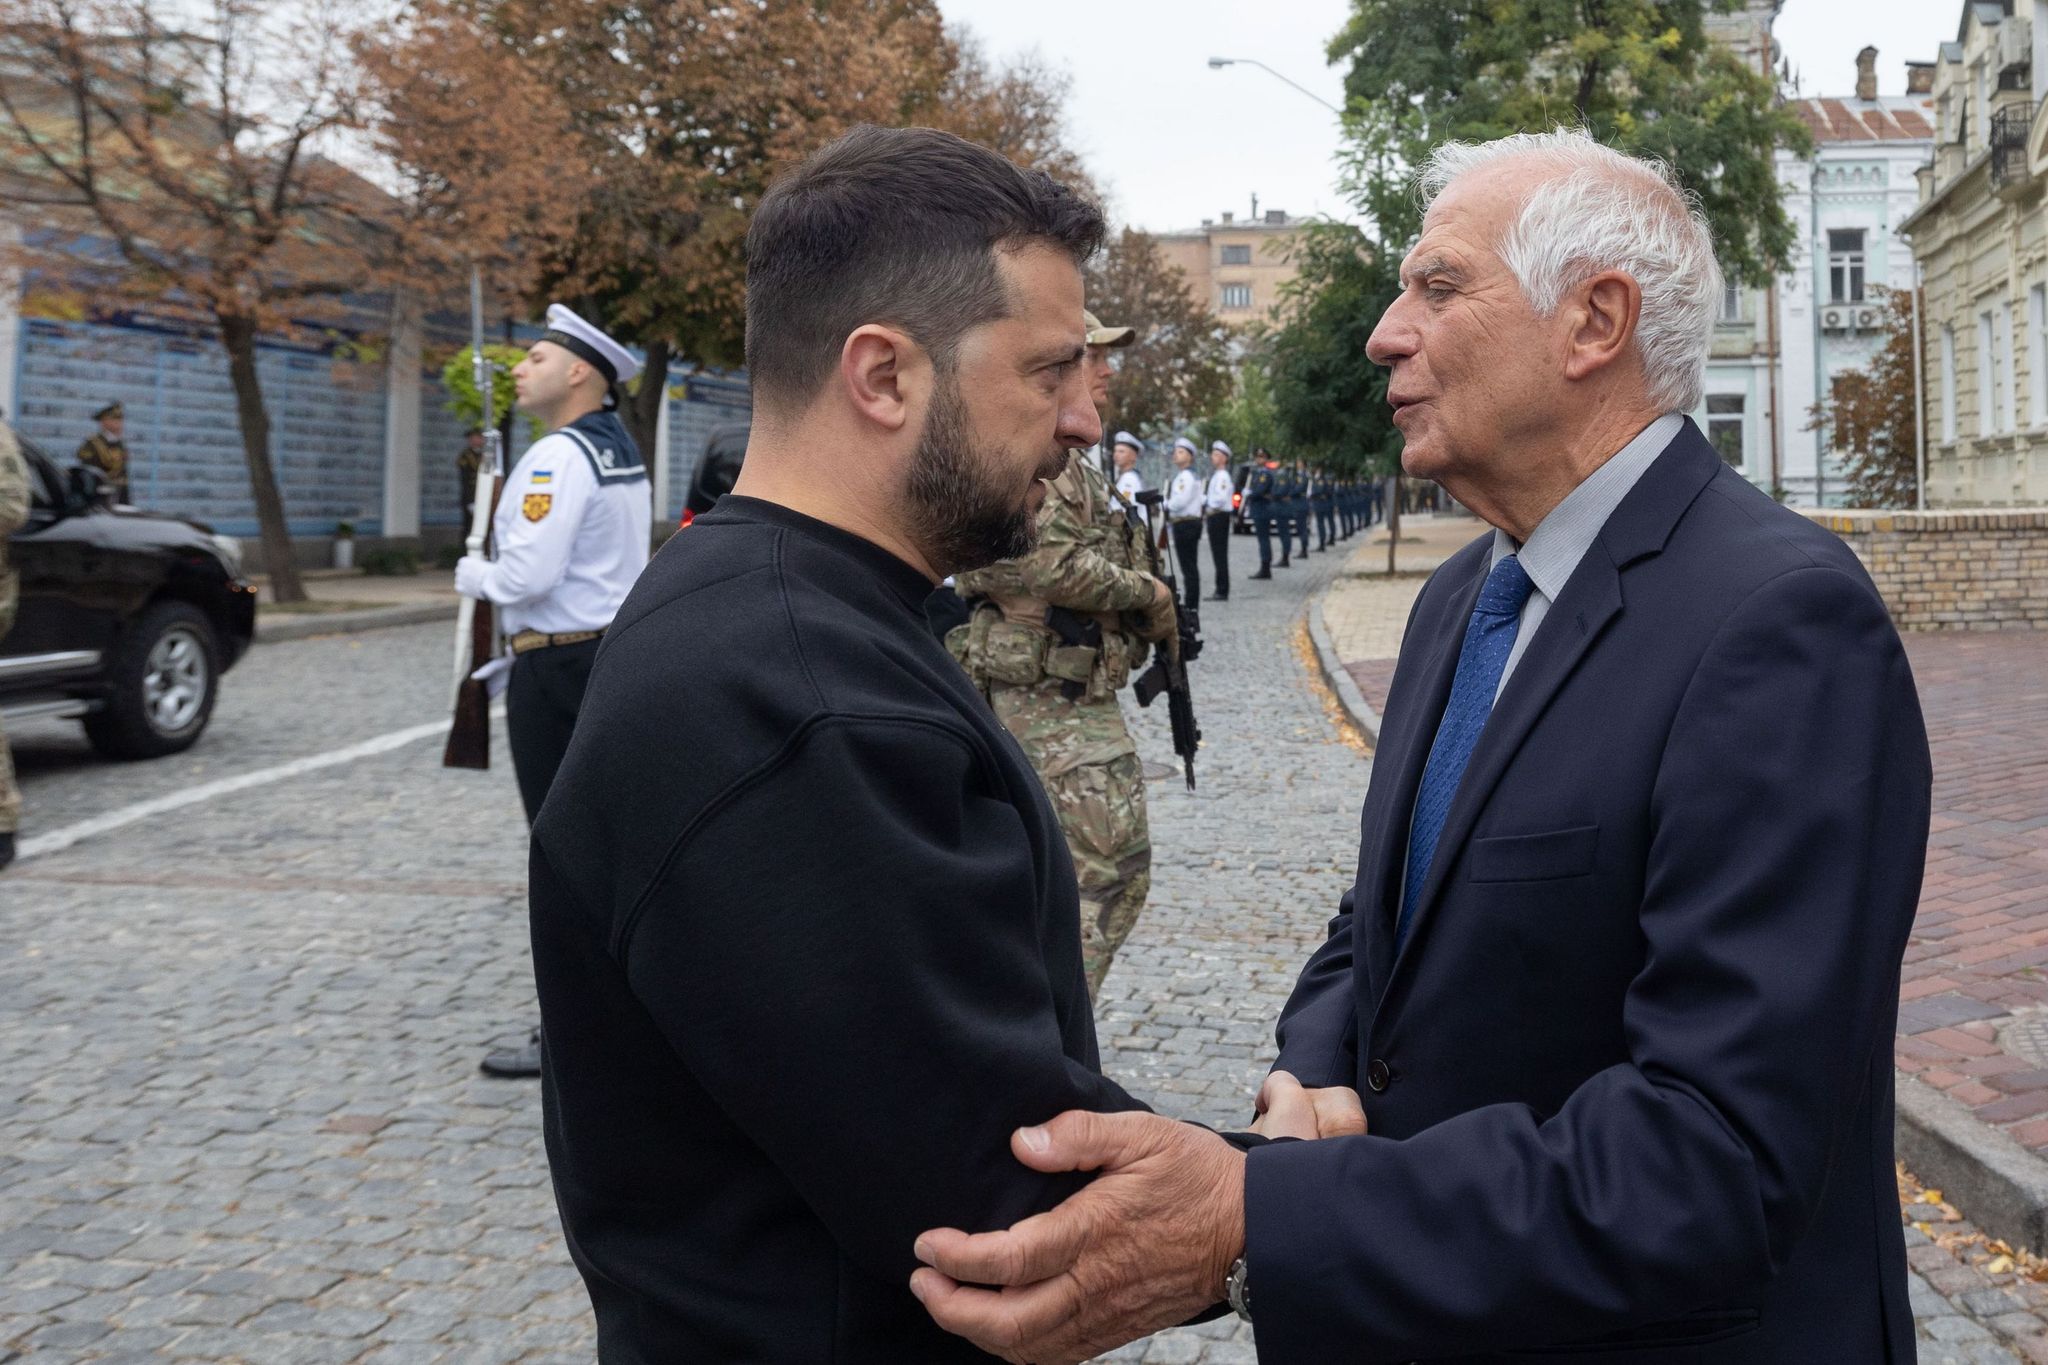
{"x":127,"y":618}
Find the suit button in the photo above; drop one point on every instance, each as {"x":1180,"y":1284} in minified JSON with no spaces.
{"x":1378,"y":1074}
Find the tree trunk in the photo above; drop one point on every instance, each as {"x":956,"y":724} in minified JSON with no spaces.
{"x":238,"y":337}
{"x":643,"y":407}
{"x":1393,"y":522}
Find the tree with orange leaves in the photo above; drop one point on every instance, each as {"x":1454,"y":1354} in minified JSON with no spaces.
{"x":672,"y":120}
{"x":189,"y":141}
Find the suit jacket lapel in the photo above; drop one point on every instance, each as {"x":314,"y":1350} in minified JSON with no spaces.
{"x":1397,"y":774}
{"x":1592,"y":598}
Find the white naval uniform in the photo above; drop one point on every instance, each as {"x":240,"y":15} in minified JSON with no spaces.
{"x":1219,"y":493}
{"x":1184,"y":495}
{"x":570,"y":540}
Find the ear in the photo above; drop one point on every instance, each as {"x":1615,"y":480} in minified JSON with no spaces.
{"x":1603,"y":314}
{"x":884,"y":375}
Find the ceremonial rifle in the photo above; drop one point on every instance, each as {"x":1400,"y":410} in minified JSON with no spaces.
{"x":469,"y":735}
{"x":1169,"y":670}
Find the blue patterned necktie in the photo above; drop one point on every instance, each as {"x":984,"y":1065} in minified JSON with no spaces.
{"x":1489,"y":639}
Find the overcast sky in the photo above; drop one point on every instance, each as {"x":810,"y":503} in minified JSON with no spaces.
{"x":1175,"y":142}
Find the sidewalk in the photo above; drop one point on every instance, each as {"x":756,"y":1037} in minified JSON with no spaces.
{"x":345,"y":601}
{"x":1972,"y":1046}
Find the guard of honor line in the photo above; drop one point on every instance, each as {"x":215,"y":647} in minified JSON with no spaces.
{"x":568,"y":542}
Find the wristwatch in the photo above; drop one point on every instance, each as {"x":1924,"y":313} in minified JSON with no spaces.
{"x":1237,"y":1289}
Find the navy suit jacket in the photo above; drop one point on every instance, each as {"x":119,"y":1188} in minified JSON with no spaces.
{"x":1629,"y":1080}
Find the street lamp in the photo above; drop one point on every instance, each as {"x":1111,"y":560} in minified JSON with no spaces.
{"x":1218,"y":63}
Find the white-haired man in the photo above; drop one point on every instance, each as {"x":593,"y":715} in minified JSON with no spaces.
{"x":1641,"y":850}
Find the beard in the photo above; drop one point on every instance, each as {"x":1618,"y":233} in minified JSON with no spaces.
{"x":962,"y":512}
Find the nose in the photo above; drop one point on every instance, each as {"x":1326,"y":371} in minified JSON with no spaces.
{"x":1080,"y":426}
{"x":1395,"y":337}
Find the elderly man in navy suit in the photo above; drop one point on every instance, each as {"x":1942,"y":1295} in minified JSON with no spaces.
{"x":1641,"y":849}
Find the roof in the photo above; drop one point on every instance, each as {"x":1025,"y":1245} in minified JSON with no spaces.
{"x":1889,"y":118}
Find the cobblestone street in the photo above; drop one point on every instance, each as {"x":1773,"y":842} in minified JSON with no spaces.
{"x":240,"y":1117}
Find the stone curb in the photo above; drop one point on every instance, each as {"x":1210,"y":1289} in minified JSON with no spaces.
{"x":349,"y":622}
{"x":2000,"y":1186}
{"x":1334,"y":674}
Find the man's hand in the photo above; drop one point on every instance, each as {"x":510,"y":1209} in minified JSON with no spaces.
{"x":1159,"y":621}
{"x":1286,"y":1109}
{"x":469,"y":576}
{"x":1147,"y":1245}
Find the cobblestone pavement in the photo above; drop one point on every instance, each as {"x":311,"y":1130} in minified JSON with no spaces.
{"x":239,"y":1113}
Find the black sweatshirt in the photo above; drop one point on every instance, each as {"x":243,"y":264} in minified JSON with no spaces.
{"x":807,"y":943}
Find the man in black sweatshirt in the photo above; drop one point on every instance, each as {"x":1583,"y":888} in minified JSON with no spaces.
{"x":804,"y":924}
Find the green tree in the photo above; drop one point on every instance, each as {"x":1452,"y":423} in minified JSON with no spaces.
{"x":1870,"y":417}
{"x":1331,"y":400}
{"x":1640,"y":75}
{"x":1179,"y":366}
{"x":1247,"y":419}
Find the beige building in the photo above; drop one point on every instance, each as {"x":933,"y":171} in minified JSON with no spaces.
{"x":1236,"y":267}
{"x":1980,"y":240}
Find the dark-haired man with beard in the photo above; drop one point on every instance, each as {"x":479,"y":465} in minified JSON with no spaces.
{"x":804,"y":923}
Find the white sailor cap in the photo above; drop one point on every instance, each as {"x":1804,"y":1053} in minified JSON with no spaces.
{"x":588,"y":344}
{"x":1219,"y":445}
{"x":1183,"y":443}
{"x":1124,"y":438}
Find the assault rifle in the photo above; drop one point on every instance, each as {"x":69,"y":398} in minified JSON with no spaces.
{"x":476,"y":635}
{"x":1169,"y":670}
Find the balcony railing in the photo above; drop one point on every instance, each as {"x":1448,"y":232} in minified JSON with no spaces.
{"x":2009,"y":128}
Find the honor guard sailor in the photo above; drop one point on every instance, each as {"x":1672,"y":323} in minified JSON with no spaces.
{"x":1219,"y":504}
{"x":1184,"y":515}
{"x":571,"y":535}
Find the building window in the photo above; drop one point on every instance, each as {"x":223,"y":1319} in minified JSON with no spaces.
{"x":1237,"y":296}
{"x":1731,"y":302}
{"x":2004,"y":379}
{"x":1948,"y":383}
{"x":1845,"y":265}
{"x":1237,"y":255}
{"x":1725,"y":426}
{"x":1994,"y":359}
{"x":2037,"y":355}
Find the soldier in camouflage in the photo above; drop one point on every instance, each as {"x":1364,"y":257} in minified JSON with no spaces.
{"x":1052,"y":638}
{"x":13,"y":512}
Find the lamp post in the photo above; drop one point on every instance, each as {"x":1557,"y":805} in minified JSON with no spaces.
{"x":1218,"y":63}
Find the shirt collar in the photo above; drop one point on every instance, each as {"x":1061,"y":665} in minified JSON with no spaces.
{"x":1553,"y":550}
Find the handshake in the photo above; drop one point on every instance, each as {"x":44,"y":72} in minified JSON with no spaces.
{"x":1148,"y":1245}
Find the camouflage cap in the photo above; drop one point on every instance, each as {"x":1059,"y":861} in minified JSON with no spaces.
{"x":1098,"y":335}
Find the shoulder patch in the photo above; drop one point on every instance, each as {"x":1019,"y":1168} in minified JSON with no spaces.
{"x":534,"y":506}
{"x":540,"y":476}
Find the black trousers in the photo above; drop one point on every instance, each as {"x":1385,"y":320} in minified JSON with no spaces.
{"x":540,"y":714}
{"x":1326,"y":525}
{"x":1187,"y":548}
{"x":1219,"y":550}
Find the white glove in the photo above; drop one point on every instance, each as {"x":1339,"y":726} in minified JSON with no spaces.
{"x":495,"y":676}
{"x":469,"y":576}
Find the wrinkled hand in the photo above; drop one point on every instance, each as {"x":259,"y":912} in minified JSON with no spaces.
{"x":1146,"y":1245}
{"x":469,"y":576}
{"x":1159,"y":621}
{"x":1287,"y":1109}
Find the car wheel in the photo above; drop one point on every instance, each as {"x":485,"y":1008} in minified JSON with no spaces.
{"x":164,"y":679}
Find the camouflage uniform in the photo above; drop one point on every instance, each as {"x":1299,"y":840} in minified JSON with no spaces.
{"x":13,"y":512}
{"x":1089,"y":560}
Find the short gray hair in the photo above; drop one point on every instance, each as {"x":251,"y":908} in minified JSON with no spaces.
{"x":1605,"y":210}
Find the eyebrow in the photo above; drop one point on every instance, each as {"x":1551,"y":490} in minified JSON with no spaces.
{"x":1433,"y":265}
{"x":1064,"y":356}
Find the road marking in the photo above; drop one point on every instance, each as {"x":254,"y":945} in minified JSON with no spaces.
{"x":58,"y":839}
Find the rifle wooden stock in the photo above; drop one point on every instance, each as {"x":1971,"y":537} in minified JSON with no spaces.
{"x":469,"y":733}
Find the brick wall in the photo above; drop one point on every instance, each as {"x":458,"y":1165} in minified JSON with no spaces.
{"x":1975,"y":570}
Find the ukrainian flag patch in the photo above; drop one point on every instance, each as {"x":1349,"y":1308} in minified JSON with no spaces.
{"x":542,"y":476}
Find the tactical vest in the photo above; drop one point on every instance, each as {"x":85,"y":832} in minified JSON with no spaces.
{"x":1011,"y":637}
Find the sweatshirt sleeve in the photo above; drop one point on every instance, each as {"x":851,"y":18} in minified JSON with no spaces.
{"x":860,"y":982}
